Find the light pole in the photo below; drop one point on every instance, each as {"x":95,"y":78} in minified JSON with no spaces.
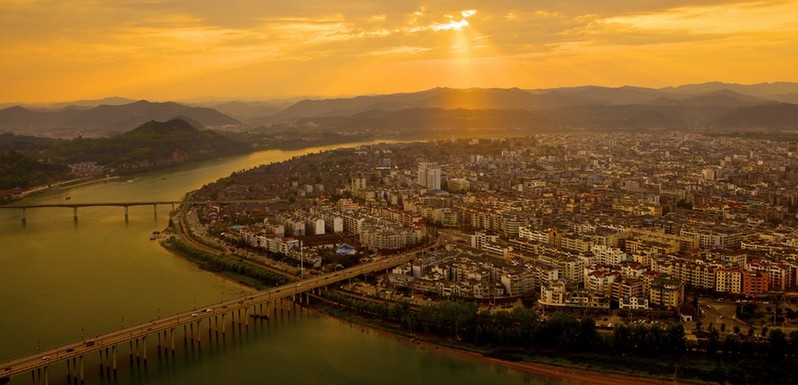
{"x":123,"y":322}
{"x":159,"y":313}
{"x":37,"y":346}
{"x":301,"y":261}
{"x":81,"y":334}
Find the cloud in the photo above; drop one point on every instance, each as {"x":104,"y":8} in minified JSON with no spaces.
{"x":58,"y":45}
{"x":403,"y":50}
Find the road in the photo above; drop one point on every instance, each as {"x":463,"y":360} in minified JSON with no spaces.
{"x":110,"y":339}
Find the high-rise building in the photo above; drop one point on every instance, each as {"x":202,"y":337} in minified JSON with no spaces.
{"x":429,"y":175}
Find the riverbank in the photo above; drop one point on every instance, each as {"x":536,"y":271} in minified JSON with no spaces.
{"x":566,"y":373}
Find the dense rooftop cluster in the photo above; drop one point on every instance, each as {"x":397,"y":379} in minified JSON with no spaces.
{"x":581,"y":219}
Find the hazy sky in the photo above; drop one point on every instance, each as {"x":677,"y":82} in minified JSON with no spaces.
{"x":58,"y":50}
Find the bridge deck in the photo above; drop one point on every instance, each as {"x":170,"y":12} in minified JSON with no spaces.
{"x":123,"y":204}
{"x":76,"y":349}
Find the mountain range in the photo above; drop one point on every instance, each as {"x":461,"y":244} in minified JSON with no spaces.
{"x":106,"y":118}
{"x":721,"y":106}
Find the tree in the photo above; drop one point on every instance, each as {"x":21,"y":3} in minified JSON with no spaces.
{"x":588,"y":336}
{"x":794,"y":342}
{"x":778,"y":344}
{"x":674,"y":338}
{"x":713,"y":341}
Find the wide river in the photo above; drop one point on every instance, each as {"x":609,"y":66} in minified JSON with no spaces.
{"x":61,"y":279}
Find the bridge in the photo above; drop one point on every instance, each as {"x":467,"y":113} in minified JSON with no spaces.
{"x":126,"y":205}
{"x":213,"y":317}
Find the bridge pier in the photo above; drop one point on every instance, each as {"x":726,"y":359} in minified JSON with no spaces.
{"x":155,"y":210}
{"x":113,"y":352}
{"x":81,"y":369}
{"x":75,"y":213}
{"x":144,"y":347}
{"x":172,"y":331}
{"x":126,"y":210}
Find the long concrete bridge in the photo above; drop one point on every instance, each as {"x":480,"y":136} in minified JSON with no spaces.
{"x":126,"y":205}
{"x":213,"y":317}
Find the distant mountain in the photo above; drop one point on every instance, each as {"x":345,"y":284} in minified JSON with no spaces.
{"x":761,"y":89}
{"x":248,"y":110}
{"x":107,"y":118}
{"x":151,"y":145}
{"x":423,"y":122}
{"x":443,"y":98}
{"x":607,"y":95}
{"x":350,"y":106}
{"x":112,"y":101}
{"x":786,"y":98}
{"x":624,"y":117}
{"x":696,"y":106}
{"x":768,"y":116}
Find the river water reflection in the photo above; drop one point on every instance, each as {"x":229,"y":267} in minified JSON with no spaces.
{"x":62,"y":279}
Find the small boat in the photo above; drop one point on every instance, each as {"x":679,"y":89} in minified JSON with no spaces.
{"x":68,"y":198}
{"x":259,"y":316}
{"x":153,"y":237}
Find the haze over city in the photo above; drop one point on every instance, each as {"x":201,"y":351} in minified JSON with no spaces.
{"x":173,"y":50}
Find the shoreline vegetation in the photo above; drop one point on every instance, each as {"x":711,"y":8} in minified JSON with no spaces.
{"x":599,"y":367}
{"x":549,"y":370}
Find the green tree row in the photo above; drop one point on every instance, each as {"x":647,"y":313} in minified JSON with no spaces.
{"x":564,"y":332}
{"x":224,"y":264}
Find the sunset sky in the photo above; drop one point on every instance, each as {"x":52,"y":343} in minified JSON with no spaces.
{"x":56,"y":50}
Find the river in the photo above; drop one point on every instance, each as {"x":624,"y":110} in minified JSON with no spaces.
{"x":62,"y":279}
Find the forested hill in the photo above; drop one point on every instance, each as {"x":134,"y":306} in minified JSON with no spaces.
{"x":18,"y":170}
{"x":152,"y":145}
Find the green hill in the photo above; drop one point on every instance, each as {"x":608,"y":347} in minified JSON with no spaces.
{"x":150,"y":146}
{"x":18,"y":170}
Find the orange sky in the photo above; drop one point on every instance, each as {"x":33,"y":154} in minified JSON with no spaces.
{"x":55,"y":50}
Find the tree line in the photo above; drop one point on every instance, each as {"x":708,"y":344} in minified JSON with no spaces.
{"x":655,"y":349}
{"x":225,"y":264}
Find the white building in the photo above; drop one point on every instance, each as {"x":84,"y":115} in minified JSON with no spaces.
{"x":429,"y":175}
